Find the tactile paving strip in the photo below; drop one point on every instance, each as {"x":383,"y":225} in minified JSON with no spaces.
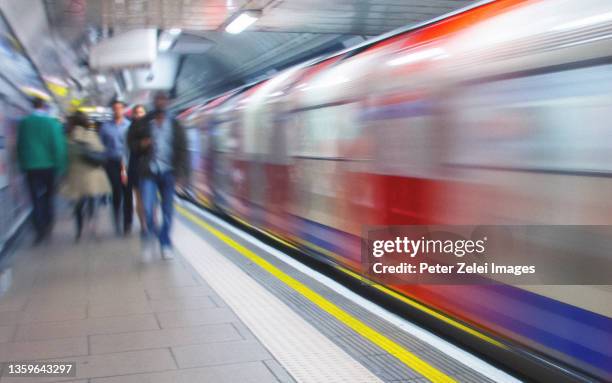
{"x":385,"y":366}
{"x":305,"y":353}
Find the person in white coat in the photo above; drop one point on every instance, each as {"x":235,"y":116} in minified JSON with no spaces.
{"x":86,"y":180}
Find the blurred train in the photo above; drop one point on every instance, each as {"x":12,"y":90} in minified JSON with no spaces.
{"x":500,"y":114}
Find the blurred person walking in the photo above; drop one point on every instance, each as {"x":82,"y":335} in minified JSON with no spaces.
{"x":86,"y":179}
{"x":136,"y":132}
{"x":41,"y":151}
{"x":113,"y":134}
{"x":164,"y":163}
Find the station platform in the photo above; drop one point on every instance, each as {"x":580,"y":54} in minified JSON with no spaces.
{"x":228,"y":308}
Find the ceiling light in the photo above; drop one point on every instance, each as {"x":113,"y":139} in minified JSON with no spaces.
{"x":242,"y":22}
{"x":101,"y":79}
{"x":167,"y":38}
{"x":164,"y":44}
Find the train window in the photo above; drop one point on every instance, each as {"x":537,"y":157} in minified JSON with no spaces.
{"x":405,"y":146}
{"x":223,"y":138}
{"x":322,"y":130}
{"x":405,"y":135}
{"x":258,"y":127}
{"x":551,"y":122}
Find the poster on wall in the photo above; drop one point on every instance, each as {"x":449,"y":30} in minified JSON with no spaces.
{"x":4,"y":176}
{"x":15,"y":66}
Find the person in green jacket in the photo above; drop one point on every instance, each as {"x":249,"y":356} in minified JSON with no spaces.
{"x":42,"y":156}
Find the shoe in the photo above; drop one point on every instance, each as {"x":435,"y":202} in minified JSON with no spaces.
{"x":167,"y":253}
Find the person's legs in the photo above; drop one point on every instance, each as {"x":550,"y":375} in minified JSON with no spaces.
{"x":148,"y":188}
{"x":35,"y":189}
{"x":128,"y":207}
{"x":136,"y":197}
{"x":48,"y":177}
{"x":113,"y":170}
{"x":140,"y":209}
{"x":90,"y":211}
{"x":91,"y":207}
{"x":166,"y":189}
{"x":78,"y":215}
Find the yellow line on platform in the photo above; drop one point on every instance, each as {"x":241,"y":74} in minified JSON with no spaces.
{"x":391,"y":347}
{"x":411,"y":302}
{"x":424,"y":308}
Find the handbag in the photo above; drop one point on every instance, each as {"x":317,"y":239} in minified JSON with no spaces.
{"x":90,"y":156}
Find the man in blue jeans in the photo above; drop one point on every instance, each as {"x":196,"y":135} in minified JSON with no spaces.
{"x":164,"y":163}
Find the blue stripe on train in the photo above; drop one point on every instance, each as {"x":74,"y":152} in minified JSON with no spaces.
{"x":583,"y":316}
{"x":308,"y":231}
{"x":312,"y":231}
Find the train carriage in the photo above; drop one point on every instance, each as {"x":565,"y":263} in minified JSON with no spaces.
{"x":467,"y":120}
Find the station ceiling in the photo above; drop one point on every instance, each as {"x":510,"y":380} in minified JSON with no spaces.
{"x":211,"y":59}
{"x":361,"y":17}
